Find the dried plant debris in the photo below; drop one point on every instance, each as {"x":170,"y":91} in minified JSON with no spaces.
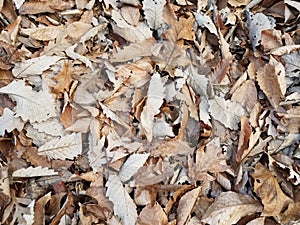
{"x":149,"y":112}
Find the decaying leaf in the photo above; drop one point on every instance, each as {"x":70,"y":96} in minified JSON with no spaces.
{"x":31,"y":105}
{"x":124,"y":206}
{"x":229,"y":207}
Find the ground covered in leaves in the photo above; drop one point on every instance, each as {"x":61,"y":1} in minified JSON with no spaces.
{"x":149,"y":112}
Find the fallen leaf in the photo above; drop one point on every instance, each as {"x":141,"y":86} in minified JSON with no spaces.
{"x":70,"y":51}
{"x":9,"y":122}
{"x":132,"y":165}
{"x":268,"y":189}
{"x":34,"y":172}
{"x":268,"y":81}
{"x":154,"y":101}
{"x":152,"y":215}
{"x":227,"y":112}
{"x":66,"y":147}
{"x":229,"y":207}
{"x":31,"y":105}
{"x":186,"y":204}
{"x":34,"y":67}
{"x":153,"y":10}
{"x":124,"y":206}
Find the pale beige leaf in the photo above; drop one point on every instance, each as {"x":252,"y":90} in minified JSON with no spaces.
{"x":152,"y":215}
{"x":229,"y":207}
{"x":237,"y":3}
{"x":227,"y":112}
{"x":133,"y":50}
{"x":132,"y":165}
{"x":284,"y":50}
{"x":186,"y":204}
{"x":9,"y":122}
{"x":155,"y":96}
{"x":95,"y":154}
{"x":212,"y":159}
{"x":34,"y":67}
{"x":44,"y":33}
{"x":267,"y":188}
{"x":280,"y":71}
{"x":34,"y":172}
{"x":246,"y":95}
{"x":29,"y":216}
{"x":124,"y":206}
{"x":66,"y":147}
{"x":153,"y":10}
{"x":268,"y":82}
{"x":31,"y":105}
{"x":70,"y":51}
{"x":77,"y":29}
{"x":131,"y":15}
{"x":51,"y":126}
{"x":257,"y":221}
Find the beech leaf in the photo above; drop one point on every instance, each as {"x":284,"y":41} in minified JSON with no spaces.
{"x":34,"y":66}
{"x":153,"y":10}
{"x":124,"y":206}
{"x":34,"y":172}
{"x":226,"y":112}
{"x":66,"y":147}
{"x":31,"y":105}
{"x":132,"y":165}
{"x":229,"y":207}
{"x":9,"y":122}
{"x":155,"y":96}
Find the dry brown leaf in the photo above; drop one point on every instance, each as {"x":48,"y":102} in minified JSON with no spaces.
{"x":246,"y":95}
{"x":186,"y":204}
{"x":220,"y":72}
{"x":45,"y":6}
{"x":268,"y":189}
{"x":64,"y":78}
{"x":268,"y":81}
{"x":181,"y":29}
{"x":243,"y":138}
{"x":229,"y":207}
{"x":152,"y":215}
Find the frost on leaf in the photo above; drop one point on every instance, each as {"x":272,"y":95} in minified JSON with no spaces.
{"x":34,"y":66}
{"x":153,"y":10}
{"x":131,"y":165}
{"x":229,"y":207}
{"x":155,"y":96}
{"x":66,"y":147}
{"x":226,"y":112}
{"x":124,"y":206}
{"x":9,"y":122}
{"x":31,"y":105}
{"x":34,"y":172}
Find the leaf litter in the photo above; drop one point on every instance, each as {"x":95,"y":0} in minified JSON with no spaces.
{"x":149,"y":112}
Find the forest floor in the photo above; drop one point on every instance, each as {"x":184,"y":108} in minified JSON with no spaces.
{"x":149,"y":112}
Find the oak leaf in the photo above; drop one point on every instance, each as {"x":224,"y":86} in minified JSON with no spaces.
{"x":34,"y":172}
{"x":9,"y":122}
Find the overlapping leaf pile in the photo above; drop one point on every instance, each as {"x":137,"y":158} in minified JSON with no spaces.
{"x":149,"y":112}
